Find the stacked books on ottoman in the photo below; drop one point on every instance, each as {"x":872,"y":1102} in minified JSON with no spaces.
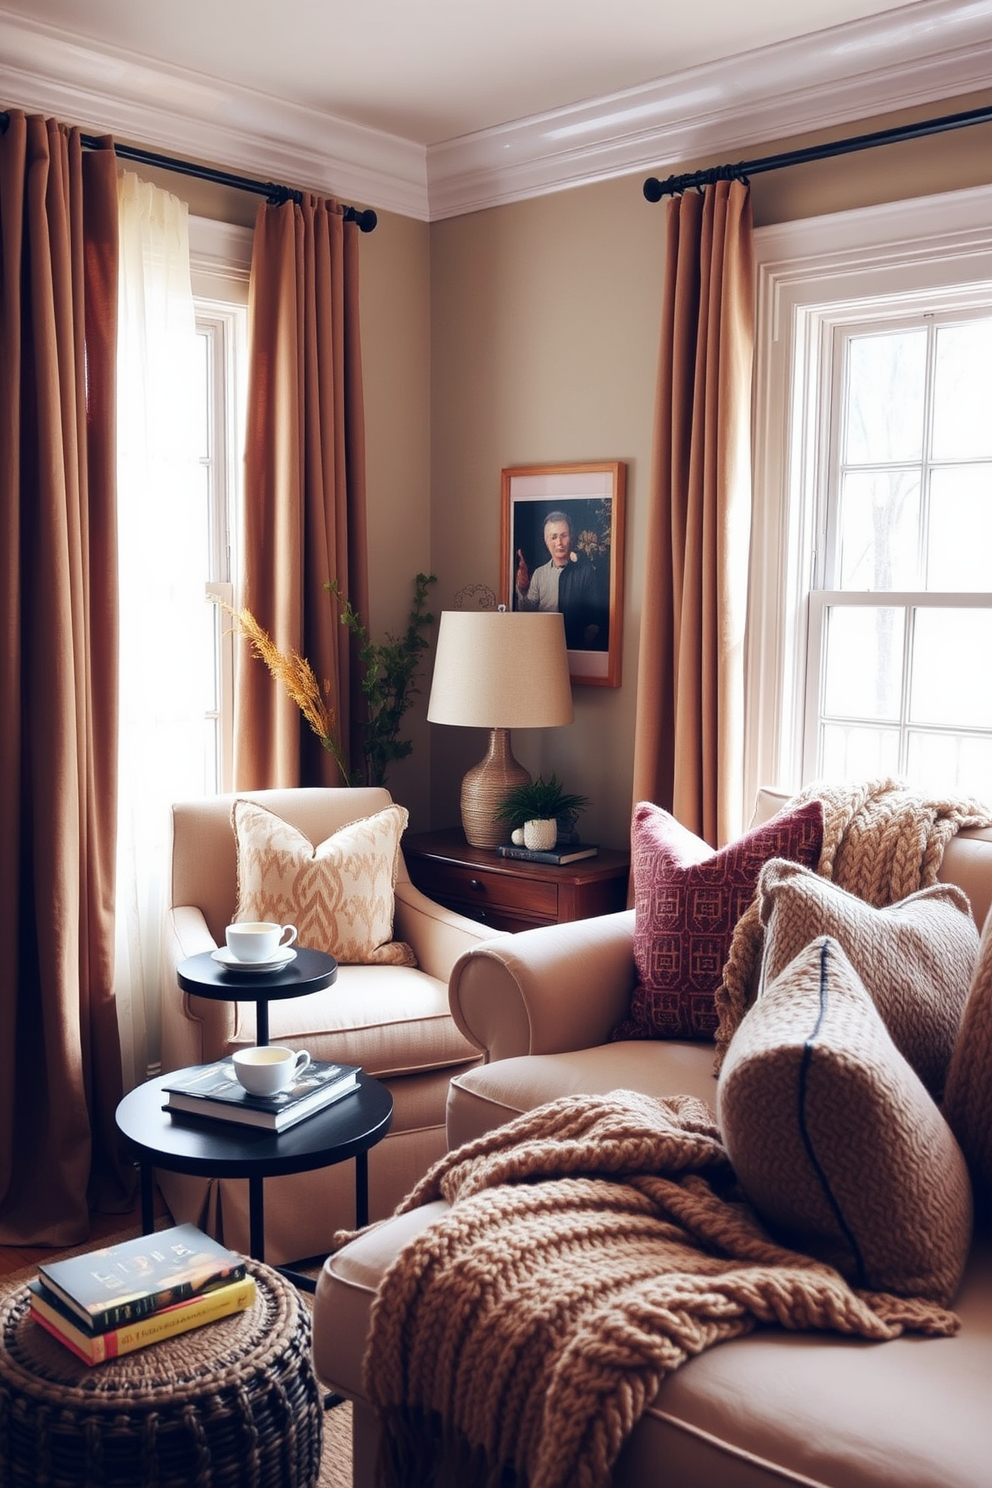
{"x":123,"y":1297}
{"x":212,"y":1091}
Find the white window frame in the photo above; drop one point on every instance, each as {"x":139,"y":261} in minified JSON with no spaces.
{"x":220,"y":260}
{"x":811,"y":275}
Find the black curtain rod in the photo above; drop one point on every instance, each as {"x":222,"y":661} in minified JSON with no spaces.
{"x":275,"y":195}
{"x":654,"y":189}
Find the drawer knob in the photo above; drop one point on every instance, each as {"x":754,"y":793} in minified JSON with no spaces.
{"x":477,"y":885}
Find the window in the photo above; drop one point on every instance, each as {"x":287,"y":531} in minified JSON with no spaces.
{"x":901,"y":598}
{"x":870,"y":625}
{"x":219,"y":262}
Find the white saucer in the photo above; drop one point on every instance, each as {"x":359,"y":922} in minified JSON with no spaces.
{"x":231,"y":962}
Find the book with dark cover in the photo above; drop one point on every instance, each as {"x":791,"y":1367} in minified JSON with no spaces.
{"x":569,"y":852}
{"x":120,"y":1283}
{"x":166,"y":1322}
{"x":212,"y":1091}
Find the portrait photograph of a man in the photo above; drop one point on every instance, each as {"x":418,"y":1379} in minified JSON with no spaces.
{"x":563,"y":548}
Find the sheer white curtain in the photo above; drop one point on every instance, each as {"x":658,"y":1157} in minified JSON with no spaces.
{"x":166,"y":661}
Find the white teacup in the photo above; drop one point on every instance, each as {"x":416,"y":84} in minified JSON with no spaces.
{"x":258,"y":940}
{"x":264,"y":1071}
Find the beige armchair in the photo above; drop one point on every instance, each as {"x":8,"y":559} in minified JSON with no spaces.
{"x":393,"y":1021}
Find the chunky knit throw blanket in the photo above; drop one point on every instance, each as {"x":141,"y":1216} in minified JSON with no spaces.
{"x":881,"y":841}
{"x":592,"y":1246}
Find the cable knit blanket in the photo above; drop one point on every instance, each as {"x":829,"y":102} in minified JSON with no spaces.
{"x":592,"y":1246}
{"x":881,"y":841}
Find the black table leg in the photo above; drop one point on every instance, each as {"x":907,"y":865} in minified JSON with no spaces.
{"x":147,"y":1198}
{"x":261,"y":1021}
{"x":256,"y":1220}
{"x":361,"y":1190}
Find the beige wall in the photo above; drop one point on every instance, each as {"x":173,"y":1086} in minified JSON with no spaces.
{"x":544,"y":331}
{"x":528,"y":334}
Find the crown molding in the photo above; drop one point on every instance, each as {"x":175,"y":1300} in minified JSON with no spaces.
{"x":187,"y":114}
{"x":916,"y":55}
{"x":921,"y":53}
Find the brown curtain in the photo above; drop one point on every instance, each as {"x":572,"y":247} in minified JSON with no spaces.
{"x":304,"y":481}
{"x":689,"y":738}
{"x":60,"y":1073}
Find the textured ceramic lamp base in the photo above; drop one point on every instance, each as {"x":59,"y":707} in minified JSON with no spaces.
{"x":483,"y":789}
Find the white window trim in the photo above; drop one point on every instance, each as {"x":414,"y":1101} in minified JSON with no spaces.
{"x":809,"y":274}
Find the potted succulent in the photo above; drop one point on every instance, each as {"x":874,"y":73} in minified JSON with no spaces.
{"x":535,"y":810}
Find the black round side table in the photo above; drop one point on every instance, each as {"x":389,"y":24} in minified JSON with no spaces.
{"x":225,"y":1149}
{"x":311,"y":971}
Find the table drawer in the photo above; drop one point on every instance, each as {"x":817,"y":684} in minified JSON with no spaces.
{"x":469,"y":886}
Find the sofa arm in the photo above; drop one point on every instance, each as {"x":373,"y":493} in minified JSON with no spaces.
{"x":437,"y":935}
{"x":546,"y":991}
{"x":195,"y":1030}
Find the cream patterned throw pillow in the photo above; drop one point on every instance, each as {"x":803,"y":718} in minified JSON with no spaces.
{"x":915,"y":957}
{"x":339,"y":895}
{"x":835,"y":1141}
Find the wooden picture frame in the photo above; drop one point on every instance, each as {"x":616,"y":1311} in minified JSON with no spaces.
{"x":588,"y":502}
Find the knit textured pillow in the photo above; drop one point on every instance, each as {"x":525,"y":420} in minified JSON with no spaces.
{"x":339,"y":895}
{"x":835,"y":1141}
{"x":915,"y":957}
{"x":687,"y":900}
{"x":968,"y":1094}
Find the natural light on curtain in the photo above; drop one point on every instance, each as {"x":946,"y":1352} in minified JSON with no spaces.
{"x":166,"y":660}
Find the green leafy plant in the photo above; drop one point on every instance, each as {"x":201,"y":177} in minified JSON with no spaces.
{"x":539,"y":799}
{"x":389,"y":680}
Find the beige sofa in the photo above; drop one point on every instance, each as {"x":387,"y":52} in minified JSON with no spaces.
{"x":393,"y":1021}
{"x":772,"y":1408}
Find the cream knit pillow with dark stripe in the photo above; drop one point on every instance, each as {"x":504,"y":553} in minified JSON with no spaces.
{"x":834,"y":1139}
{"x":915,"y":957}
{"x":968,"y":1096}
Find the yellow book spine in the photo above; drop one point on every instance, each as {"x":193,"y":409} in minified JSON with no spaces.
{"x":94,"y":1348}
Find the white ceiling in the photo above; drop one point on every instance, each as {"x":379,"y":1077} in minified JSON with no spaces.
{"x":431,"y":107}
{"x":433,"y":70}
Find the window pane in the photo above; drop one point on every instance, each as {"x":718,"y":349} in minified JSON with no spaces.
{"x":959,"y":540}
{"x":851,"y":753}
{"x":951,"y":678}
{"x":962,"y":428}
{"x":884,"y":415}
{"x":951,"y":762}
{"x":863,"y":666}
{"x":878,"y":536}
{"x":202,"y":404}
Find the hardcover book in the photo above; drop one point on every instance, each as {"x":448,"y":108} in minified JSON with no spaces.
{"x":569,"y":852}
{"x":167,"y":1322}
{"x":120,"y":1283}
{"x":212,"y":1091}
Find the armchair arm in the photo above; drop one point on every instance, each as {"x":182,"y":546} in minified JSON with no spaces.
{"x":546,"y":991}
{"x":437,"y":935}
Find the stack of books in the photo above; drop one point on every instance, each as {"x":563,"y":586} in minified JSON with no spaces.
{"x":126,"y":1296}
{"x":212,"y":1092}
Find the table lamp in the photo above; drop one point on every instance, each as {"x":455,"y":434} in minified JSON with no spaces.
{"x":498,"y":669}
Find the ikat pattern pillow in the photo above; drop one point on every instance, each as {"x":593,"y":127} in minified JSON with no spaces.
{"x":339,"y":894}
{"x":834,"y":1139}
{"x":915,"y":957}
{"x":687,"y":900}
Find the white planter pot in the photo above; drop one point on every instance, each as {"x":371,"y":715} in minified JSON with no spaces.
{"x":541,"y":834}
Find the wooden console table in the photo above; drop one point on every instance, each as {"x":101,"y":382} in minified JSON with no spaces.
{"x":509,"y":893}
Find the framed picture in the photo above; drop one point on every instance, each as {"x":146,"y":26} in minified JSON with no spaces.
{"x":561,"y":540}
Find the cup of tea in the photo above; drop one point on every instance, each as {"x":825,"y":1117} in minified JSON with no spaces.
{"x":258,"y":940}
{"x":266,"y":1071}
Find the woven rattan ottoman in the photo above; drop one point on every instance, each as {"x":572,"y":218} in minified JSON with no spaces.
{"x":232,"y":1404}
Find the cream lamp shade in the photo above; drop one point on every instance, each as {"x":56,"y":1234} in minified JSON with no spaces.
{"x":500,"y":670}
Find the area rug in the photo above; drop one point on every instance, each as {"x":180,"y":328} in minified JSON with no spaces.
{"x":335,"y":1460}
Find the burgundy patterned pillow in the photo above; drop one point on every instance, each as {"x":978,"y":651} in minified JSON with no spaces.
{"x":687,"y":900}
